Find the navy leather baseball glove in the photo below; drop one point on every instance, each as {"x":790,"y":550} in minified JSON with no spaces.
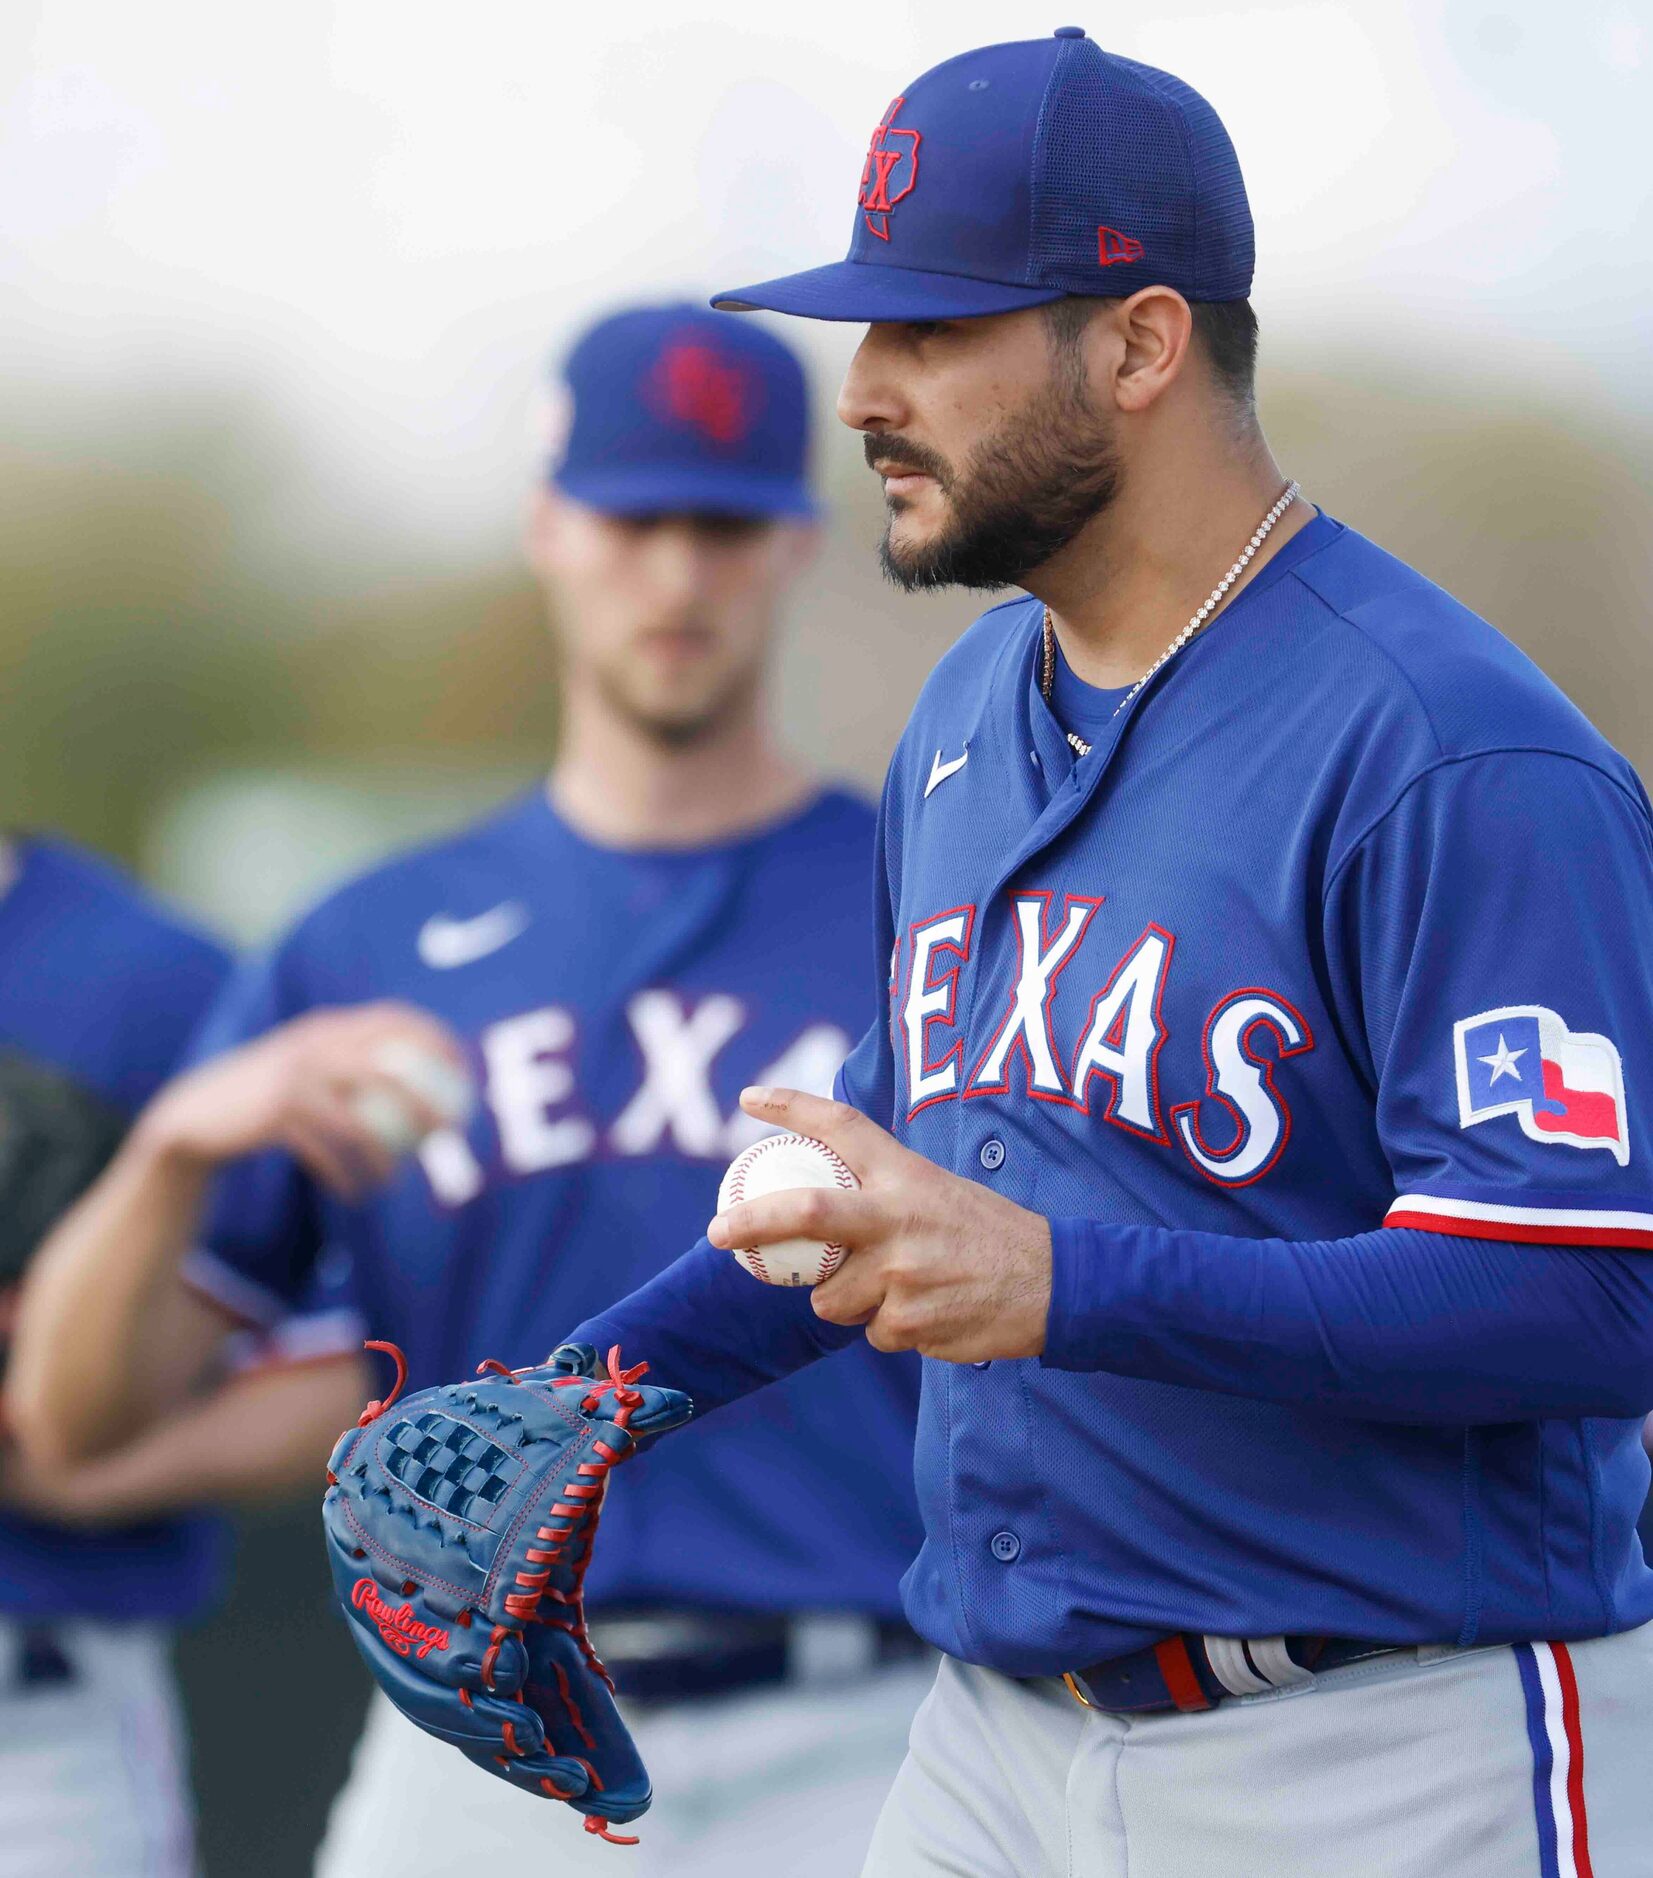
{"x":459,"y":1526}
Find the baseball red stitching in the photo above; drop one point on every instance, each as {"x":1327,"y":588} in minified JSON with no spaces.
{"x":843,"y":1179}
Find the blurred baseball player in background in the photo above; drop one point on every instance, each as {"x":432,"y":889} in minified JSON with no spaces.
{"x":99,"y":994}
{"x":683,"y":909}
{"x":1256,"y":1145}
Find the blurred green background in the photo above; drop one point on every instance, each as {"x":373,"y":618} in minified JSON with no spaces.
{"x":185,"y":685}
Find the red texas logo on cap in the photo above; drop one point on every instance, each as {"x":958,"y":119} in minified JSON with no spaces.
{"x":884,"y":180}
{"x":692,"y":384}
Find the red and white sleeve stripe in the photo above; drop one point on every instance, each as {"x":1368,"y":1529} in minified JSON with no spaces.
{"x":1532,"y":1225}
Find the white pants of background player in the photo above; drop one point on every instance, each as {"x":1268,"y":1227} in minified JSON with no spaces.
{"x":790,"y":1777}
{"x":1416,"y":1765}
{"x":92,"y":1767}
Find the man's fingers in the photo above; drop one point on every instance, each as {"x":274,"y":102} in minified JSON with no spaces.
{"x":350,"y":1133}
{"x":845,"y":1130}
{"x":852,"y":1294}
{"x":309,"y":1145}
{"x":824,"y":1213}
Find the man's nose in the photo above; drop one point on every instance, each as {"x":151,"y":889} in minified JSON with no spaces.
{"x":869,"y":398}
{"x":673,"y":558}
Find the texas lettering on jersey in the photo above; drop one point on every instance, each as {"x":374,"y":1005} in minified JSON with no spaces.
{"x":1233,"y":1130}
{"x":531,"y":1095}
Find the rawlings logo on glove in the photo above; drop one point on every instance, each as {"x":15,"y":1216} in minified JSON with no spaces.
{"x":400,"y":1629}
{"x":459,"y":1529}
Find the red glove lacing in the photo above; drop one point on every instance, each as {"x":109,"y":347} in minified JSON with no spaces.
{"x":580,"y":1497}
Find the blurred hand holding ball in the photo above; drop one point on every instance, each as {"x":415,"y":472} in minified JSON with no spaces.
{"x":781,"y":1164}
{"x":397,"y":1124}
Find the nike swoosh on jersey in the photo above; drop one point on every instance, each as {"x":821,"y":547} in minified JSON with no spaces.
{"x":445,"y":943}
{"x":939,"y":771}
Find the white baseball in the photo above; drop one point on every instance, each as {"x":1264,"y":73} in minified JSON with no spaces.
{"x":440,"y":1082}
{"x":781,"y":1164}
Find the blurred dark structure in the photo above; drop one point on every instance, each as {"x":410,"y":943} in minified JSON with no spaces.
{"x":275,"y":1694}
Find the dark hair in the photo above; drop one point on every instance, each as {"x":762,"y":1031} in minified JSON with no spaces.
{"x":1225,"y":330}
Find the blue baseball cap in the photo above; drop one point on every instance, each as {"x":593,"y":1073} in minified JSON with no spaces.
{"x":1018,"y":174}
{"x":675,"y":411}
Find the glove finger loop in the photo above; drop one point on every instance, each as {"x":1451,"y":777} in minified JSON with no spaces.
{"x":595,"y":1823}
{"x":546,"y":1776}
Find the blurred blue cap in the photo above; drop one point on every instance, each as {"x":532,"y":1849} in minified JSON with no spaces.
{"x":1018,"y":174}
{"x":676,"y":411}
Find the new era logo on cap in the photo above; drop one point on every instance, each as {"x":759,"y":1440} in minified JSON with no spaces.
{"x":1017,"y":174}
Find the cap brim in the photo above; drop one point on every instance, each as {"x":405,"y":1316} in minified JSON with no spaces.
{"x":870,"y":291}
{"x":661,"y":490}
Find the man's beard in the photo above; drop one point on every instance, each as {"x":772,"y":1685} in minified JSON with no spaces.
{"x":1026,"y":492}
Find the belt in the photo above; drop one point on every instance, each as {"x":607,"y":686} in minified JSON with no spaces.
{"x":662,"y":1655}
{"x":1191,"y":1672}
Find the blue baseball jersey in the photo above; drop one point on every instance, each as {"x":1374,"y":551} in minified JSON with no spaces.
{"x":614,"y":1004}
{"x":1343,"y":921}
{"x":99,"y":995}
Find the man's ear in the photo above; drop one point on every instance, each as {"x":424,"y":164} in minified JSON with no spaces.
{"x":1155,"y":329}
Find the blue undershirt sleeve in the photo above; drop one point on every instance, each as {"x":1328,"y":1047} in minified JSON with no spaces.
{"x":706,"y":1326}
{"x":1396,"y":1325}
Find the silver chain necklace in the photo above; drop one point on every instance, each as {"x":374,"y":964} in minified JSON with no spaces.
{"x":1047,"y":674}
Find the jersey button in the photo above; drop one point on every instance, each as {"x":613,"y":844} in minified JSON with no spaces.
{"x":992,"y":1155}
{"x":1006,"y":1547}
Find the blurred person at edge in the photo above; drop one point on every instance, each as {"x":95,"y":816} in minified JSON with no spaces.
{"x":99,"y":992}
{"x":682,"y":909}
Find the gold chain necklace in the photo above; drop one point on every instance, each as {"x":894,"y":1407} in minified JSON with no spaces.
{"x":1047,"y":673}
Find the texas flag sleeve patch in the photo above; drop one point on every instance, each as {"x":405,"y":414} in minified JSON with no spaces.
{"x":1561,"y":1086}
{"x":1521,"y":1067}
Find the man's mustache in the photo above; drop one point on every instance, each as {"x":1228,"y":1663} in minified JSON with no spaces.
{"x":885,"y":448}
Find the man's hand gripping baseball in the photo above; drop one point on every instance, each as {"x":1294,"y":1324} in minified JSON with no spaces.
{"x":938,"y":1264}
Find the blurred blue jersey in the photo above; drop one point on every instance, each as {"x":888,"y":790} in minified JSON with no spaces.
{"x":99,"y":993}
{"x":615,"y":1003}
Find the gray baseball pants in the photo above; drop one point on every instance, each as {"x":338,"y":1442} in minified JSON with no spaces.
{"x":1531,"y":1761}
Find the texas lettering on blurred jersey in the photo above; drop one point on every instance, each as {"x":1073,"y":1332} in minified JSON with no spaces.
{"x":535,"y":1119}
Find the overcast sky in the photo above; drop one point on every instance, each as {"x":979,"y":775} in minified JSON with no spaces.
{"x":390,"y":211}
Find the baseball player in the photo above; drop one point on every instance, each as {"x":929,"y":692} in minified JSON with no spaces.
{"x":682,"y":910}
{"x":1256,"y":1143}
{"x":98,"y":998}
